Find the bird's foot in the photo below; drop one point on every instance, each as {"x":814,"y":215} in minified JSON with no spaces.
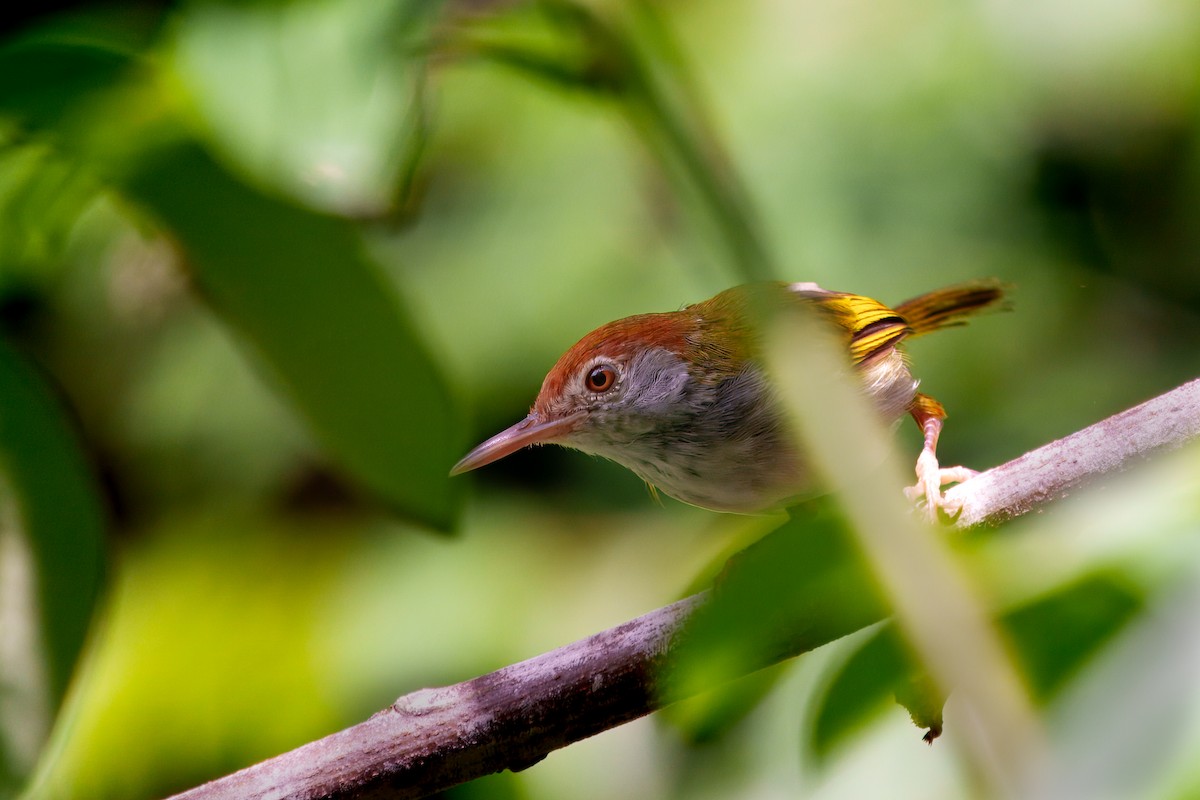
{"x":931,"y":477}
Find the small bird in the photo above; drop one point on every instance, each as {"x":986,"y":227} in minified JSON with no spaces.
{"x":682,"y":398}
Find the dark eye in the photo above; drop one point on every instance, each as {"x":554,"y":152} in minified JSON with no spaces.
{"x":601,"y":378}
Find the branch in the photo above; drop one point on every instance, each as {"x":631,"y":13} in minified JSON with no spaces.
{"x":509,"y":719}
{"x":432,"y":739}
{"x":1047,"y":474}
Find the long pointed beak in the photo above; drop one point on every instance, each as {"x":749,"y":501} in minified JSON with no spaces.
{"x":528,"y":431}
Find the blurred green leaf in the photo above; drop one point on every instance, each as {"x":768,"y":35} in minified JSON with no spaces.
{"x":924,"y":701}
{"x":49,"y":82}
{"x":500,"y":786}
{"x":294,"y":283}
{"x":1052,"y":638}
{"x":52,"y":525}
{"x":799,"y":587}
{"x":322,"y":99}
{"x":41,"y":198}
{"x":204,"y":659}
{"x":710,"y":715}
{"x":860,"y":688}
{"x":45,"y":80}
{"x":1055,"y":637}
{"x":300,"y":289}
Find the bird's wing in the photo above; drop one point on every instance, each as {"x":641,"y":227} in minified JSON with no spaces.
{"x":872,"y":329}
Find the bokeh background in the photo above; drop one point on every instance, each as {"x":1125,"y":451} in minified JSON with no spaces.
{"x":267,"y":269}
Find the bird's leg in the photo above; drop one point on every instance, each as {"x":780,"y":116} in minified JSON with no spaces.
{"x":929,"y":414}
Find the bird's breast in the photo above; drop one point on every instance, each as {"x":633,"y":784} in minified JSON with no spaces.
{"x":730,"y":451}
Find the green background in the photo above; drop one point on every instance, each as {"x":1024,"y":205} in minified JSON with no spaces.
{"x":268,"y":269}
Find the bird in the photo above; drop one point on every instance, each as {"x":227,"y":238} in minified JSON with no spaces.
{"x":683,"y":399}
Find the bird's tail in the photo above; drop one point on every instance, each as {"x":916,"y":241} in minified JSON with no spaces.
{"x":943,"y":308}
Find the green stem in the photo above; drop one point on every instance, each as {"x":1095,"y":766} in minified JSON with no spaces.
{"x":679,"y":131}
{"x":637,"y":63}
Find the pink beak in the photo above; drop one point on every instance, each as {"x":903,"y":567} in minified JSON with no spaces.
{"x":526,"y":432}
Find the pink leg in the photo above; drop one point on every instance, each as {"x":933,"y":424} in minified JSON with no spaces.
{"x":931,"y":476}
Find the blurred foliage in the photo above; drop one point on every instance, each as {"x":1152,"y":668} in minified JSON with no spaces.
{"x":51,"y":550}
{"x":266,"y":268}
{"x":1053,"y":637}
{"x":803,"y":581}
{"x":296,"y":286}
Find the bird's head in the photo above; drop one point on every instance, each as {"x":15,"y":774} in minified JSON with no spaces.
{"x":610,"y":387}
{"x":631,"y":379}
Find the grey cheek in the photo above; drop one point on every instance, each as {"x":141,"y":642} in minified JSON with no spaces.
{"x":660,"y":380}
{"x":666,"y":389}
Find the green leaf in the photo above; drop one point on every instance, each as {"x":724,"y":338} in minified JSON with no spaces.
{"x":1052,"y":639}
{"x":860,"y":687}
{"x":708,"y":716}
{"x":296,"y":284}
{"x":879,"y":670}
{"x":49,"y":82}
{"x":45,"y":80}
{"x":799,"y":587}
{"x":52,"y":525}
{"x":42,"y":196}
{"x":1056,"y":636}
{"x":320,"y":100}
{"x":321,"y":316}
{"x":923,"y":700}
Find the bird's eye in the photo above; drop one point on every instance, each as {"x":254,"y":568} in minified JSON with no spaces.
{"x":601,"y":378}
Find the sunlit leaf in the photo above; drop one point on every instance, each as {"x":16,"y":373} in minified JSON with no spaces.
{"x":52,"y":525}
{"x":299,"y":288}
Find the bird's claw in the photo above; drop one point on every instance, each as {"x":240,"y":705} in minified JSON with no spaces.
{"x":931,"y":477}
